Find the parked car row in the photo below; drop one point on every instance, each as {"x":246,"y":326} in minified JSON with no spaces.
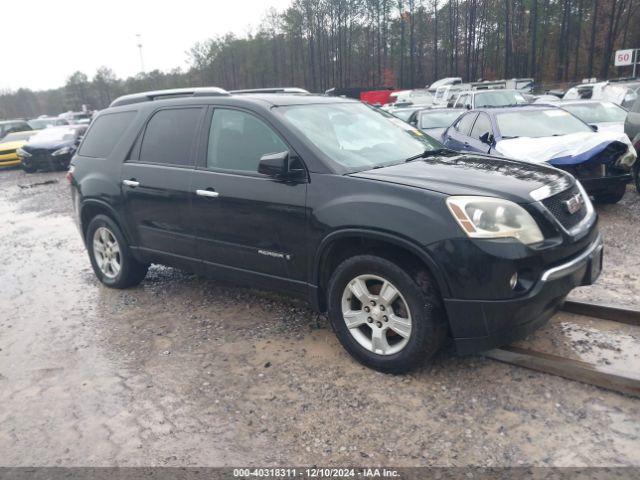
{"x":43,"y":142}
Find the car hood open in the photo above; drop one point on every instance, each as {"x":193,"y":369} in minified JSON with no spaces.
{"x":561,"y":150}
{"x":474,"y":175}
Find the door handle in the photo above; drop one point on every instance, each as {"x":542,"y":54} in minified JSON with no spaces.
{"x":207,"y":193}
{"x":131,"y":183}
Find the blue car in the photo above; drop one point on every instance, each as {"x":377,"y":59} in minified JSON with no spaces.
{"x":602,"y":161}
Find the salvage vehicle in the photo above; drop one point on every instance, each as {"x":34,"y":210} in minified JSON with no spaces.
{"x":471,"y":99}
{"x":632,"y":129}
{"x":434,"y":121}
{"x":8,"y":126}
{"x":45,"y":122}
{"x":51,"y":148}
{"x":604,"y":116}
{"x":9,"y":146}
{"x":401,"y":241}
{"x":602,"y":161}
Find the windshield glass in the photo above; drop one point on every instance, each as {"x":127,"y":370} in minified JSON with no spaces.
{"x":539,"y":123}
{"x":356,"y":136}
{"x":597,"y":112}
{"x":438,"y":118}
{"x":499,"y":98}
{"x":55,"y":134}
{"x":17,"y":136}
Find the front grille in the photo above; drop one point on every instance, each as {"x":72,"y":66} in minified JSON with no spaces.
{"x":556,"y":205}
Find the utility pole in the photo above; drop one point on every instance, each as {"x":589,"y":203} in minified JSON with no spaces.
{"x":139,"y":38}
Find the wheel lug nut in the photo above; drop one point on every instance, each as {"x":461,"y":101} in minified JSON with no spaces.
{"x":370,"y":320}
{"x":367,"y":309}
{"x":382,"y":307}
{"x":385,"y":318}
{"x":373,"y":303}
{"x":379,"y":324}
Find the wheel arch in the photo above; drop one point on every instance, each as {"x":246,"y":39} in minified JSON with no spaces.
{"x":92,"y":207}
{"x":339,"y":245}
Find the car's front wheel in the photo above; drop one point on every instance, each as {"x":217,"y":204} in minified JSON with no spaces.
{"x":384,"y":317}
{"x":110,"y":256}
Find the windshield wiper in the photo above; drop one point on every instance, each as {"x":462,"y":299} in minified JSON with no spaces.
{"x":427,"y":153}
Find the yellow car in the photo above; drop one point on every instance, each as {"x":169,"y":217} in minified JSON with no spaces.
{"x":9,"y":145}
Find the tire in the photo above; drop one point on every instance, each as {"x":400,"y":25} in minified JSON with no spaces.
{"x":422,"y":311}
{"x":107,"y":249}
{"x":28,"y":168}
{"x":613,"y":195}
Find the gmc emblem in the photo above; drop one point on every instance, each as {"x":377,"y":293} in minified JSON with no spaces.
{"x":573,"y":204}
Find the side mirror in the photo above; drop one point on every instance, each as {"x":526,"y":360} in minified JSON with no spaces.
{"x":487,"y":138}
{"x":467,"y":106}
{"x":274,"y":164}
{"x":594,"y":127}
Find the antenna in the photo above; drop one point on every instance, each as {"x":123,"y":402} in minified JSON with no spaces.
{"x":139,"y":39}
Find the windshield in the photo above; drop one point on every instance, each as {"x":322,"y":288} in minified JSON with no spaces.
{"x":356,"y":136}
{"x":499,"y":98}
{"x":438,"y":118}
{"x":597,"y":112}
{"x":539,"y":123}
{"x":55,"y":134}
{"x":17,"y":136}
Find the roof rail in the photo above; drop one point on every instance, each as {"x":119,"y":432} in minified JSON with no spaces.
{"x":296,"y":90}
{"x":169,"y":93}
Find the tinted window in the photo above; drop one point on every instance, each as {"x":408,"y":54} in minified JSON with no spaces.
{"x":482,"y":126}
{"x":465,"y":123}
{"x":169,"y":136}
{"x":237,"y":140}
{"x":105,"y":133}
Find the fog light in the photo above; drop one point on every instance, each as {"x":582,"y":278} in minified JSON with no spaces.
{"x":513,"y":281}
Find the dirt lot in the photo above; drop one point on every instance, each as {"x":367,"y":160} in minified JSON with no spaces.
{"x":186,"y":371}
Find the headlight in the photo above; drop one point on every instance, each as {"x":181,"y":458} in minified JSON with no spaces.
{"x":628,"y":159}
{"x":488,"y":217}
{"x":22,"y":153}
{"x":61,"y":151}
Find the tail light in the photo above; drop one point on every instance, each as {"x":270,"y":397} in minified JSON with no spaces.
{"x":70,"y":173}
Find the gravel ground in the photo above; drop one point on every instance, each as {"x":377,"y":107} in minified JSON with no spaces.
{"x":185,"y":371}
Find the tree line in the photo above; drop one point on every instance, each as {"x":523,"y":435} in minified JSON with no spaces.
{"x":319,"y":44}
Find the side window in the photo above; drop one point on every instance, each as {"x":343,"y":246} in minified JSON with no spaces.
{"x":238,"y":139}
{"x":482,"y":126}
{"x":105,"y":133}
{"x":465,"y":123}
{"x":169,"y":136}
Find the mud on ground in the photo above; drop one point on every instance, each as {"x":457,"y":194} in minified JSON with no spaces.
{"x":186,"y":371}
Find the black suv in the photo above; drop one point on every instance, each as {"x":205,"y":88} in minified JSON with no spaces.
{"x":401,"y":241}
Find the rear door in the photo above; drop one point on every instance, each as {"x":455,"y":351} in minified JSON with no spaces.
{"x":248,"y":224}
{"x":457,"y":136}
{"x":156,"y":182}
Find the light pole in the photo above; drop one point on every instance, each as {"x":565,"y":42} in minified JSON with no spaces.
{"x":139,"y":38}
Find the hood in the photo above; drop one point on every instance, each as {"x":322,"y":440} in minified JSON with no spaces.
{"x":616,"y":127}
{"x":11,"y":145}
{"x":474,"y":175}
{"x":562,"y":150}
{"x":48,"y":145}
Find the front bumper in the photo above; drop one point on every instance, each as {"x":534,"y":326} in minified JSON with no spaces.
{"x":603,"y":184}
{"x":478,"y":325}
{"x":9,"y":160}
{"x":46,"y":161}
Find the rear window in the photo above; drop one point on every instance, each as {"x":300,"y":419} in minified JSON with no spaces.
{"x":105,"y":133}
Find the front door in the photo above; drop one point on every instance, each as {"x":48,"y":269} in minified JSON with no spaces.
{"x":156,"y":182}
{"x":248,"y":224}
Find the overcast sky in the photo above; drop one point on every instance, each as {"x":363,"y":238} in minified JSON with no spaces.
{"x":45,"y":41}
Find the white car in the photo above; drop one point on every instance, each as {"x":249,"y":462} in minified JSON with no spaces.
{"x":605,"y":116}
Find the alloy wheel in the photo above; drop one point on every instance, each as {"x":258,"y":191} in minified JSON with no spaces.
{"x":106,"y":252}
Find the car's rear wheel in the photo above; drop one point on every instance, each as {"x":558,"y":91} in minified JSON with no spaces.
{"x":383,"y":316}
{"x":613,"y":195}
{"x":110,"y":256}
